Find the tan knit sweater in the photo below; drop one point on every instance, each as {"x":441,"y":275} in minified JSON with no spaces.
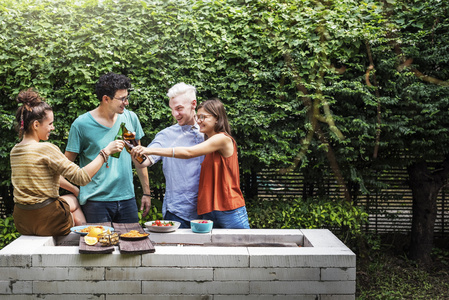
{"x":35,"y":172}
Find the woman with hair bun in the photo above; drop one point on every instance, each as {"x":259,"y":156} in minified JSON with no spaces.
{"x":219,"y":196}
{"x":37,"y":168}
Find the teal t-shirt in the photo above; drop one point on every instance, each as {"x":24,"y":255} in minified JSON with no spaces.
{"x":87,"y":137}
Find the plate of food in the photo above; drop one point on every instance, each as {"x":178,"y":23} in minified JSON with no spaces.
{"x":133,"y":235}
{"x":162,"y":226}
{"x":84,"y":229}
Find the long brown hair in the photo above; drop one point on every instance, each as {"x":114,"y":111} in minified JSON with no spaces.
{"x":216,"y":108}
{"x":33,"y":108}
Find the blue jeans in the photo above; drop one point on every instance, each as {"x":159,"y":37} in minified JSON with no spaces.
{"x":172,"y":217}
{"x":231,"y":219}
{"x":124,"y":211}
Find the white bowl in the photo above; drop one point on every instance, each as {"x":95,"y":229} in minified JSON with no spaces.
{"x":150,"y":227}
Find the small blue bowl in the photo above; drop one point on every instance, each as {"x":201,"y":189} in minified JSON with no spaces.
{"x":201,"y":226}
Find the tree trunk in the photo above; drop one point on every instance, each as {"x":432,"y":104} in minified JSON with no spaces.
{"x":425,"y":187}
{"x":250,"y":184}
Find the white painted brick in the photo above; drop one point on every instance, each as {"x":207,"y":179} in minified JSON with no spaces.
{"x":13,"y":260}
{"x":52,"y":273}
{"x":22,"y":287}
{"x":302,"y":287}
{"x":55,"y":297}
{"x":197,"y":257}
{"x":66,"y":250}
{"x":152,"y":273}
{"x":338,"y":274}
{"x":86,"y":287}
{"x":203,"y":288}
{"x":75,"y":297}
{"x":337,"y":297}
{"x":265,"y":274}
{"x":85,"y":260}
{"x":164,"y":297}
{"x":301,"y":257}
{"x":266,"y":297}
{"x":5,"y":287}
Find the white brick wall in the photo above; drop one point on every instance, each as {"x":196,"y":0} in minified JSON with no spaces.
{"x":323,"y":270}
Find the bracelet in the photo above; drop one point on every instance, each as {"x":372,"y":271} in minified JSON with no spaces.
{"x":147,"y":195}
{"x":102,"y":155}
{"x":105,"y":157}
{"x":173,"y":149}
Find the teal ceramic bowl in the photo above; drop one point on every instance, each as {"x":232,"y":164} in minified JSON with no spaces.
{"x":201,"y":226}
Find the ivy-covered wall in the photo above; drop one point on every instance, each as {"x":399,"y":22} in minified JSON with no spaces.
{"x":233,"y":50}
{"x":292,"y":74}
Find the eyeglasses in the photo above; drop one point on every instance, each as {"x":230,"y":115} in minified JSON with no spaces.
{"x":202,"y":117}
{"x":123,"y":99}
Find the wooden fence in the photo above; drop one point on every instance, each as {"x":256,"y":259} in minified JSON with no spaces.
{"x":390,"y":210}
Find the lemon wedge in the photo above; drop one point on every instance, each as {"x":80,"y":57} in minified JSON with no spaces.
{"x":90,"y":240}
{"x":94,"y":232}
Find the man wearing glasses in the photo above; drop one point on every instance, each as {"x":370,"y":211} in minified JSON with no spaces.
{"x":109,"y":197}
{"x":182,"y":176}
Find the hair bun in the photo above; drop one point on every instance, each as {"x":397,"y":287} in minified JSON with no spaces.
{"x":29,"y":98}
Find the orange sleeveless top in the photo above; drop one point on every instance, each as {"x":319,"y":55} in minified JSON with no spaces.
{"x":219,"y":187}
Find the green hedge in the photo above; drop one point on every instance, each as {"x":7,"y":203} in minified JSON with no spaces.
{"x":8,"y":231}
{"x":337,"y":216}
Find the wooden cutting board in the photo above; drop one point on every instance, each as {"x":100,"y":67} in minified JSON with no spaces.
{"x":97,"y":248}
{"x":138,"y":246}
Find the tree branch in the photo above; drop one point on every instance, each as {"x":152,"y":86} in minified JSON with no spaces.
{"x":379,"y":119}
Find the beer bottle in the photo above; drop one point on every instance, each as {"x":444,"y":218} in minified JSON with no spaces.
{"x":119,"y":136}
{"x":130,"y":142}
{"x":129,"y":146}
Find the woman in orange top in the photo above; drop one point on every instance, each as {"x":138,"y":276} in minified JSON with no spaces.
{"x":219,"y":197}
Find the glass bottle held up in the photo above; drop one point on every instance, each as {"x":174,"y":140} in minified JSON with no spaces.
{"x":119,"y":136}
{"x":130,"y":142}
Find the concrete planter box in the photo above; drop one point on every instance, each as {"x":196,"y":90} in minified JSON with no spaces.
{"x":322,"y":268}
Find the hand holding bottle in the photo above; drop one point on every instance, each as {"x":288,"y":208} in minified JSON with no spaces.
{"x":130,"y":142}
{"x":115,"y":146}
{"x":119,"y":136}
{"x":129,"y":147}
{"x":95,"y":165}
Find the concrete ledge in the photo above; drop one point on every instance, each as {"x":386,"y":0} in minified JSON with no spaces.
{"x":321,"y":267}
{"x":230,"y":236}
{"x":321,"y":238}
{"x":257,"y":236}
